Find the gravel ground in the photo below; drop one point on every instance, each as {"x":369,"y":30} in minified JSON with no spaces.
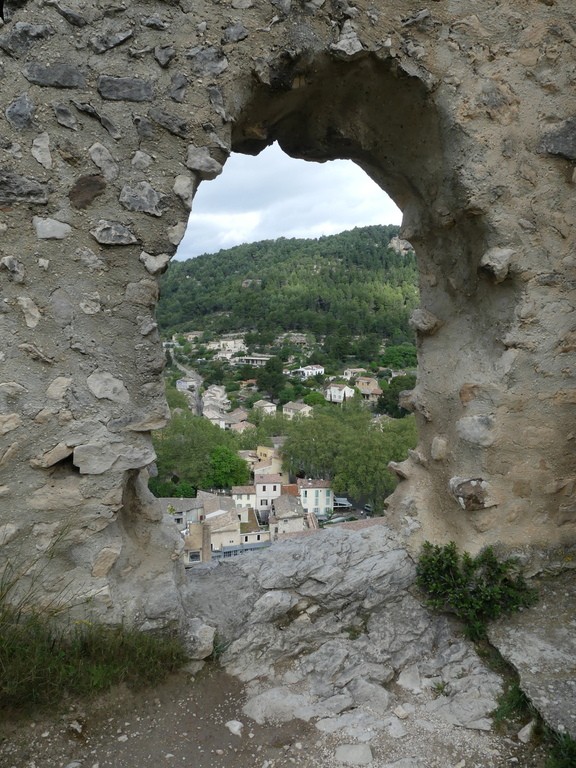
{"x":183,"y":722}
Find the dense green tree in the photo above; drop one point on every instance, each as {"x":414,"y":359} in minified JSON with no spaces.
{"x":270,"y":379}
{"x":388,"y":400}
{"x":399,"y":356}
{"x":314,"y":398}
{"x":343,"y":445}
{"x":226,"y":468}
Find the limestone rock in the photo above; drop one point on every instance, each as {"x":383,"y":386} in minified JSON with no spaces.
{"x":96,"y":458}
{"x":102,"y":157}
{"x":178,"y":86}
{"x":15,"y":268}
{"x":59,"y":75}
{"x":185,"y":187}
{"x":16,"y":188}
{"x":199,"y":639}
{"x":41,"y":150}
{"x":172,"y":123}
{"x":58,"y":388}
{"x":424,"y":322}
{"x":105,"y":386}
{"x":30,"y":310}
{"x":144,"y":198}
{"x":562,"y":141}
{"x":207,"y":61}
{"x":354,"y":754}
{"x":22,"y":37}
{"x":65,"y":117}
{"x":124,"y":88}
{"x":20,"y":112}
{"x":155,"y":264}
{"x":349,"y":45}
{"x":104,"y":561}
{"x":9,"y":422}
{"x":112,"y":233}
{"x":200,"y":161}
{"x":497,"y":262}
{"x":478,"y":430}
{"x":51,"y":229}
{"x":103,"y":43}
{"x":471,"y":493}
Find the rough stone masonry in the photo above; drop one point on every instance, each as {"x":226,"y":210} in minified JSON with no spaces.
{"x":113,"y":112}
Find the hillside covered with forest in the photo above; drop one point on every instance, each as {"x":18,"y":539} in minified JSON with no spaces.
{"x":352,"y":283}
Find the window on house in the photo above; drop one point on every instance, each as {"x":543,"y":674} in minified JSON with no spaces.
{"x":258,"y":537}
{"x":273,"y":487}
{"x":263,"y":487}
{"x":305,"y":494}
{"x":193,"y":557}
{"x":245,"y":538}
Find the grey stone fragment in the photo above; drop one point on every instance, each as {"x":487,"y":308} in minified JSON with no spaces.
{"x":41,"y":150}
{"x":64,"y":116}
{"x":242,"y":4}
{"x":178,"y":86}
{"x":144,"y":127}
{"x":354,"y":754}
{"x":144,"y":198}
{"x":234,"y":33}
{"x":15,"y":268}
{"x":141,"y":160}
{"x":561,"y":142}
{"x":185,"y":187}
{"x":102,"y":157}
{"x":424,"y":322}
{"x":207,"y":61}
{"x":105,"y":122}
{"x":199,"y":639}
{"x":112,"y":233}
{"x":497,"y":262}
{"x":73,"y":18}
{"x":348,"y":45}
{"x":15,"y":188}
{"x":20,"y":112}
{"x":155,"y":264}
{"x":217,"y":101}
{"x":164,"y":54}
{"x":104,"y":386}
{"x":96,"y":458}
{"x":200,"y":161}
{"x":59,"y":75}
{"x":172,"y":123}
{"x":154,"y":22}
{"x":22,"y":37}
{"x":124,"y":88}
{"x":476,"y":429}
{"x":103,"y":43}
{"x":50,"y":229}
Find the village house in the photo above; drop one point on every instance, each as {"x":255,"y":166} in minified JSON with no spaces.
{"x":244,"y":496}
{"x":265,"y":407}
{"x":338,"y":393}
{"x":307,"y":371}
{"x":181,"y":510}
{"x":268,"y":488}
{"x":294,"y":410}
{"x":196,"y":547}
{"x":368,"y":388}
{"x":316,"y":496}
{"x":256,"y":361}
{"x":286,"y":517}
{"x":353,"y":373}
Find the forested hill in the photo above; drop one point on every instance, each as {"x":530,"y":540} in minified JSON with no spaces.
{"x":352,"y":282}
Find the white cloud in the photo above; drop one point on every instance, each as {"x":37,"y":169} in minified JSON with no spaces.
{"x":272,"y":195}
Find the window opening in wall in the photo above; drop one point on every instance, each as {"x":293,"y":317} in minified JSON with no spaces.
{"x":285,"y":314}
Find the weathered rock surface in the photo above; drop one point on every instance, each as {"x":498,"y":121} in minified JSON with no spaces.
{"x":325,"y":628}
{"x":114,"y":114}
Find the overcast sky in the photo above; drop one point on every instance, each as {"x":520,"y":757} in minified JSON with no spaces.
{"x":272,"y":195}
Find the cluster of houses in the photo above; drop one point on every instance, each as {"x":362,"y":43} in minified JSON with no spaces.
{"x":215,"y":526}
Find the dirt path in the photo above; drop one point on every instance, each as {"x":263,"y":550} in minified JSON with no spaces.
{"x":183,"y":723}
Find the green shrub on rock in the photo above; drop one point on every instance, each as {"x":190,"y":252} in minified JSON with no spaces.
{"x":477,"y":589}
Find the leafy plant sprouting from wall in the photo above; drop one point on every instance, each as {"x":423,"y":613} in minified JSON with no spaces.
{"x":477,"y":589}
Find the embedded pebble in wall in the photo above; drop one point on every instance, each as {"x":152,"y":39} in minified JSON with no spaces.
{"x":20,"y":112}
{"x":207,"y":61}
{"x":172,"y":123}
{"x":144,"y":198}
{"x":104,"y":43}
{"x":85,"y":190}
{"x":104,"y":385}
{"x":164,"y":54}
{"x":124,"y":88}
{"x":15,"y":268}
{"x":185,"y":187}
{"x":178,"y":86}
{"x":102,"y":157}
{"x":200,"y":161}
{"x":112,"y":233}
{"x":50,"y":229}
{"x":65,"y":117}
{"x":177,"y":232}
{"x":60,"y":75}
{"x":15,"y":188}
{"x":141,"y":160}
{"x":41,"y":150}
{"x":155,"y":264}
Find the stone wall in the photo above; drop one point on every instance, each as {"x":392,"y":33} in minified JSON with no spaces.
{"x":112,"y":113}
